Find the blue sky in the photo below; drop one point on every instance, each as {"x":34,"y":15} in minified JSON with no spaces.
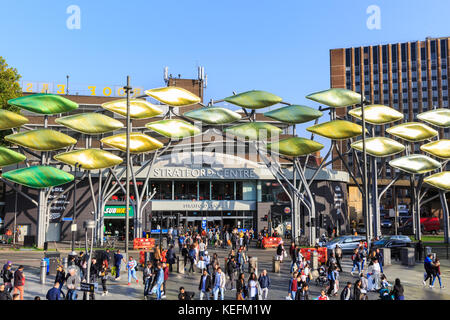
{"x":279,"y":46}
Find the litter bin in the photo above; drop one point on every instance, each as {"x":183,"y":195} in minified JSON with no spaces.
{"x":53,"y":260}
{"x":164,"y":243}
{"x":407,"y":256}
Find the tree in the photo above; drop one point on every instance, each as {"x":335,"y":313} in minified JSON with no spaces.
{"x":9,"y":89}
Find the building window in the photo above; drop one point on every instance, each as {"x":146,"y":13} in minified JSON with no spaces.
{"x":222,"y":190}
{"x":186,"y":190}
{"x":204,"y":190}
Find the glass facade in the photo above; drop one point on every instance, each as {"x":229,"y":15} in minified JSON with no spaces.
{"x":410,"y":77}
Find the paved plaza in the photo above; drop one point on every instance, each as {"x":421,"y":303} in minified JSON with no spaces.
{"x":411,"y":278}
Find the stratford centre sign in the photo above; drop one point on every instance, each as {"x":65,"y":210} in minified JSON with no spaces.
{"x":204,"y":173}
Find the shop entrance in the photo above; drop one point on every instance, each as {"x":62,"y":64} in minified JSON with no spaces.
{"x":116,"y":227}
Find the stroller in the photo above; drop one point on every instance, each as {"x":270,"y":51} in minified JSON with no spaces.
{"x":385,"y":294}
{"x":322,"y":279}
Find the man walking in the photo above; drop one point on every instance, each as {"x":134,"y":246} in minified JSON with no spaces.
{"x":148,"y":277}
{"x":205,"y":285}
{"x":54,"y":293}
{"x":338,"y":256}
{"x":219,"y":284}
{"x":264,"y":284}
{"x":118,"y":258}
{"x":231,"y":271}
{"x":72,"y":283}
{"x":19,"y":281}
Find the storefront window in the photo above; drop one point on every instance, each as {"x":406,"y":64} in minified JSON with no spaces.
{"x":222,"y":190}
{"x":186,"y":190}
{"x":273,"y":192}
{"x":163,"y":190}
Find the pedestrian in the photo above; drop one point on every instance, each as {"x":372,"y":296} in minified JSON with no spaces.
{"x":241,"y":288}
{"x":118,"y":258}
{"x":204,"y":286}
{"x":94,"y":273}
{"x":8,"y":277}
{"x":4,"y":294}
{"x":104,"y":277}
{"x":292,"y":289}
{"x":356,"y":259}
{"x":60,"y":278}
{"x":231,"y":271}
{"x":280,"y":252}
{"x":184,"y":295}
{"x":332,"y":277}
{"x":219,"y":284}
{"x":338,"y":255}
{"x":346,"y":293}
{"x":379,"y":256}
{"x":363,"y":254}
{"x":54,"y":293}
{"x":171,"y":257}
{"x":357,"y":291}
{"x":131,"y":267}
{"x":147,"y":278}
{"x":437,"y":273}
{"x":303,"y":294}
{"x":166,"y":277}
{"x":428,"y":265}
{"x":192,"y":256}
{"x":19,"y":281}
{"x":159,"y":280}
{"x":264,"y":283}
{"x":398,"y":291}
{"x":72,"y":283}
{"x":323,"y":296}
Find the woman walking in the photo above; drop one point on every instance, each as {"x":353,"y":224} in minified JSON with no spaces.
{"x":437,"y":273}
{"x":253,"y":287}
{"x":398,"y":291}
{"x":104,"y":277}
{"x":131,"y":267}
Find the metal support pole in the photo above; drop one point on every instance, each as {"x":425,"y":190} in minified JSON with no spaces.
{"x":127,"y":89}
{"x":375,"y":200}
{"x":74,"y":207}
{"x":446,"y":217}
{"x":365,"y":186}
{"x":394,"y":191}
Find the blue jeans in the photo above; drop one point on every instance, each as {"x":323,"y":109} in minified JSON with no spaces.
{"x":293,"y":294}
{"x":72,"y":294}
{"x":158,"y":291}
{"x":292,"y":266}
{"x":132,"y":273}
{"x":216,"y":293}
{"x":434,"y":278}
{"x":356,"y":265}
{"x":362,"y":264}
{"x":117,"y":270}
{"x":147,"y":284}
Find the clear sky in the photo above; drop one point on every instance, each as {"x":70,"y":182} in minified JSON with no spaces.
{"x":278,"y":46}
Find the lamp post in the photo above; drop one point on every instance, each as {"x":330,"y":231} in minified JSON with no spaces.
{"x":73,"y":226}
{"x":365,"y":184}
{"x":89,"y":224}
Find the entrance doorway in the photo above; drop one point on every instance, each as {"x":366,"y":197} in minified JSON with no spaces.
{"x":116,"y":227}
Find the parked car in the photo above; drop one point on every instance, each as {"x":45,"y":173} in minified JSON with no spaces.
{"x":347,"y":243}
{"x":395,"y":243}
{"x":427,"y":224}
{"x":386,"y":223}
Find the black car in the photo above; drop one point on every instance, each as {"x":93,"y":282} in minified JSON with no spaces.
{"x":395,"y":244}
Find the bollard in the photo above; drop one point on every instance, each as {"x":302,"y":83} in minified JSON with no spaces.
{"x":43,"y":271}
{"x":314,"y":260}
{"x":180,"y":265}
{"x":275,"y":265}
{"x":65,"y":263}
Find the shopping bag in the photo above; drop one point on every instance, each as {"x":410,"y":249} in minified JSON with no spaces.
{"x":113,"y":271}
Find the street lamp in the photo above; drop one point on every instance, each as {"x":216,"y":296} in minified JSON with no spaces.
{"x":73,"y":226}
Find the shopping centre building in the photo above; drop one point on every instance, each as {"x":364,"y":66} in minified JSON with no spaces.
{"x":195,"y":181}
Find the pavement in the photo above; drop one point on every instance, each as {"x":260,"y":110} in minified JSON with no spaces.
{"x":411,"y":278}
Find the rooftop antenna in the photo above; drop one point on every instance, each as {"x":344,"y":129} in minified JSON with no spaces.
{"x":166,"y":74}
{"x":67,"y":85}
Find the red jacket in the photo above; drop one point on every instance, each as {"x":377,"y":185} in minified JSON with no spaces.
{"x":166,"y":273}
{"x":19,"y":278}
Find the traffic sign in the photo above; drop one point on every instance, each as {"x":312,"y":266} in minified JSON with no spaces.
{"x":88,"y":287}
